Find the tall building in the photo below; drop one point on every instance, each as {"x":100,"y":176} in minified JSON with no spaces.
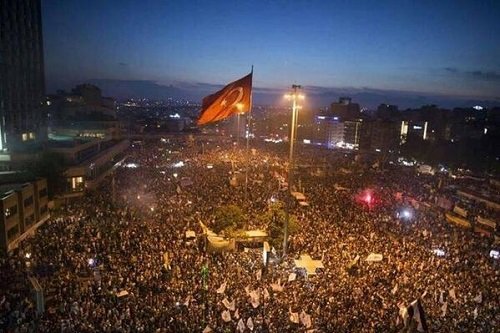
{"x":387,"y":112}
{"x":84,"y":130}
{"x":384,"y":135}
{"x":345,"y":109}
{"x":352,"y":133}
{"x":329,"y":131}
{"x":21,"y":76}
{"x":411,"y":130}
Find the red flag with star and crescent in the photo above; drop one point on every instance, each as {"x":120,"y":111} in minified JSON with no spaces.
{"x":232,"y":99}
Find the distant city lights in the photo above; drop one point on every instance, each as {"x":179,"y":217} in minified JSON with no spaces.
{"x":273,"y":140}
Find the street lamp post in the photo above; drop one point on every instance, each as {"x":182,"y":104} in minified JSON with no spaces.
{"x":238,"y":130}
{"x":294,"y":96}
{"x":240,"y":107}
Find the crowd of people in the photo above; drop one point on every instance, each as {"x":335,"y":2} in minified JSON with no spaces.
{"x":118,"y":259}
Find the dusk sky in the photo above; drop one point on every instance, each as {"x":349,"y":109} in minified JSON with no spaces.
{"x":405,"y":52}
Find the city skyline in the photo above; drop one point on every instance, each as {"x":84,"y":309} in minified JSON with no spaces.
{"x":413,"y":52}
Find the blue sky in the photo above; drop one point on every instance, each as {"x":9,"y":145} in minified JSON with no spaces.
{"x":449,"y":48}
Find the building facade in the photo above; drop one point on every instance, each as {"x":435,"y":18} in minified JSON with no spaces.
{"x":329,"y":131}
{"x":85,"y":131}
{"x":22,"y":85}
{"x":23,"y":208}
{"x":345,"y":109}
{"x":353,"y":133}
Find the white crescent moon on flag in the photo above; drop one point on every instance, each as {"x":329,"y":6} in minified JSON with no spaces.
{"x":238,"y":99}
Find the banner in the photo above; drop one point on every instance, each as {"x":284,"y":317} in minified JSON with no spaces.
{"x":460,"y":211}
{"x":458,"y":221}
{"x":226,"y":316}
{"x":374,"y":257}
{"x":222,"y":288}
{"x":487,"y":222}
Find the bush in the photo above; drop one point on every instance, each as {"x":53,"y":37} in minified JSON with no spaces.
{"x":275,"y":218}
{"x":228,"y":218}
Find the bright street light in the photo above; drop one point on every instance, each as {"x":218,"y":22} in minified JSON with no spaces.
{"x":294,"y":95}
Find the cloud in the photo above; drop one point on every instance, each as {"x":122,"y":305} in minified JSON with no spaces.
{"x":473,"y":74}
{"x":316,"y":96}
{"x":487,"y":76}
{"x":122,"y":64}
{"x":451,"y":69}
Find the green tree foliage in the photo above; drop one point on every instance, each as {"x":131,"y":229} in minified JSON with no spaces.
{"x":228,"y":218}
{"x":275,"y":218}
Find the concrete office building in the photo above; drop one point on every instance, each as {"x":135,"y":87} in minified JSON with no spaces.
{"x":23,"y":208}
{"x":83,"y":128}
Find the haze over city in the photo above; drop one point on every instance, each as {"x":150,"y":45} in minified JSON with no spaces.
{"x":401,"y":52}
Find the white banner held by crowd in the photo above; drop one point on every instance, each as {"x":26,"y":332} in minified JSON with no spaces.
{"x":305,"y":319}
{"x":294,"y":317}
{"x":222,"y":288}
{"x":229,"y":305}
{"x":374,"y":257}
{"x":250,"y":323}
{"x":226,"y":316}
{"x":241,"y":326}
{"x":254,"y":299}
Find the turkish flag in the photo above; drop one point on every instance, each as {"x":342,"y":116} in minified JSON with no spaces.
{"x":232,"y":99}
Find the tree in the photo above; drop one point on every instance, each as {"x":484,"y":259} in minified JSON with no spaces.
{"x":228,"y":218}
{"x":275,"y":218}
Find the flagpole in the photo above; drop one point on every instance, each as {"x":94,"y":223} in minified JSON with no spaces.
{"x":247,"y":132}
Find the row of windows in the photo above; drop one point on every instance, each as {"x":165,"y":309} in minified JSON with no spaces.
{"x":76,"y":184}
{"x":28,"y":201}
{"x":43,"y":210}
{"x":13,"y":232}
{"x":29,"y":220}
{"x":28,"y":136}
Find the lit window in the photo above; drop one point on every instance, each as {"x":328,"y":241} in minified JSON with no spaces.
{"x":77,"y":183}
{"x":32,"y":135}
{"x":25,"y":136}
